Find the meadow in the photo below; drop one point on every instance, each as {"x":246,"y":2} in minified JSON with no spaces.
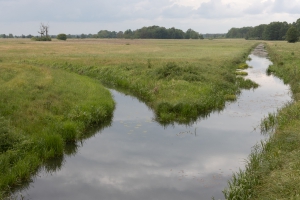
{"x":272,"y":170}
{"x":179,"y":79}
{"x":52,"y":92}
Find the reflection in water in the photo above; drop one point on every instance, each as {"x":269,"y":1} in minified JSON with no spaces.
{"x":136,"y":158}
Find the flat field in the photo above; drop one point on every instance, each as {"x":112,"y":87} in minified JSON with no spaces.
{"x":51,"y":91}
{"x":180,"y":79}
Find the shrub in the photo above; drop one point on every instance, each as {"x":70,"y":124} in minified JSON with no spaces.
{"x":61,"y":36}
{"x":292,"y":35}
{"x":44,"y":38}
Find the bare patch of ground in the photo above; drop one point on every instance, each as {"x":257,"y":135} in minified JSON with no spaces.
{"x":260,"y":51}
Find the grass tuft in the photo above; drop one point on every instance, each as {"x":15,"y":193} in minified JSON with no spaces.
{"x":246,"y":83}
{"x":241,"y":73}
{"x":243,"y":66}
{"x":230,"y":97}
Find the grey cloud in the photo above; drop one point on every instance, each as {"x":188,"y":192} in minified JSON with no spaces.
{"x":177,"y":11}
{"x":21,"y":16}
{"x":215,"y":9}
{"x":258,"y":7}
{"x":284,"y":6}
{"x":79,"y":11}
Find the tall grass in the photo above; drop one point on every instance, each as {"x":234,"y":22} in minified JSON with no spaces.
{"x":41,"y":110}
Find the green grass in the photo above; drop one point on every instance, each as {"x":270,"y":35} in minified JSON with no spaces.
{"x":243,"y":65}
{"x":272,"y":170}
{"x":246,"y":83}
{"x":180,"y":79}
{"x":230,"y":97}
{"x":42,"y":110}
{"x":241,"y":73}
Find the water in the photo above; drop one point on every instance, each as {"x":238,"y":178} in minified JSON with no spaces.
{"x":137,"y":158}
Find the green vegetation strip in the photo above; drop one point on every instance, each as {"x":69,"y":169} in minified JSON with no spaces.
{"x":180,"y":79}
{"x":41,"y":110}
{"x":273,"y":167}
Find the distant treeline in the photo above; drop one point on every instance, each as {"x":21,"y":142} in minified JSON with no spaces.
{"x":272,"y":31}
{"x":151,"y":32}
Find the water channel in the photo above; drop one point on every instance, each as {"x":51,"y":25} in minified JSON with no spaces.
{"x":137,"y":158}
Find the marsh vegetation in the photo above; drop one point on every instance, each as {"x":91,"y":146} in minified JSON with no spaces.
{"x":52,"y":94}
{"x":179,"y":79}
{"x":43,"y":106}
{"x":196,"y":162}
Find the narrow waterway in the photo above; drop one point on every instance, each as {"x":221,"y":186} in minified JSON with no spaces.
{"x":137,"y":158}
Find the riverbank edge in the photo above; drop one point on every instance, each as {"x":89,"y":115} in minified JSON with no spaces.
{"x":272,"y":168}
{"x":165,"y":112}
{"x":23,"y":152}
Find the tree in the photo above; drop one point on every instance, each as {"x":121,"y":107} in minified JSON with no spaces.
{"x":292,"y":35}
{"x":44,"y":29}
{"x":120,"y":34}
{"x":128,"y":34}
{"x":191,"y":34}
{"x":297,"y":25}
{"x":61,"y":36}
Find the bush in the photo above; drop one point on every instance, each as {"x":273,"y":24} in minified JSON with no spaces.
{"x":44,"y":38}
{"x":292,"y":35}
{"x":61,"y":36}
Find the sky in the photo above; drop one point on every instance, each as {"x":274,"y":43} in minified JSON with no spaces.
{"x":90,"y":16}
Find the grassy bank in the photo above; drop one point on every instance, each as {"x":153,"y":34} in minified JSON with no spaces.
{"x":180,"y":79}
{"x":43,"y":106}
{"x":41,"y":110}
{"x":273,"y":169}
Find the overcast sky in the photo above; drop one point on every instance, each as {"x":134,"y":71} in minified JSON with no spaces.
{"x":90,"y":16}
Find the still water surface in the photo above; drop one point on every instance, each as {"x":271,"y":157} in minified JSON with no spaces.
{"x":137,"y":158}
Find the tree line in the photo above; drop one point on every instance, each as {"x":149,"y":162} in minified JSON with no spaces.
{"x":151,"y":32}
{"x":271,"y":31}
